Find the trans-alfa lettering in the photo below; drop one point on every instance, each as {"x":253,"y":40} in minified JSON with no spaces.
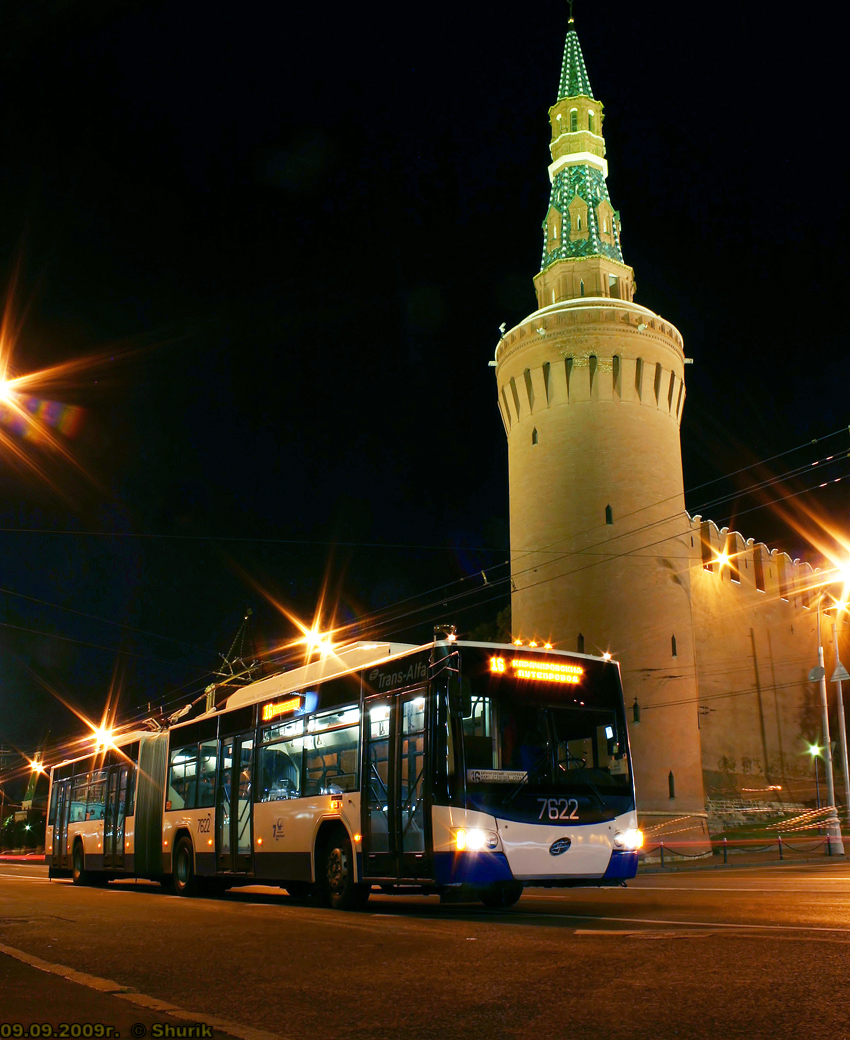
{"x":413,"y":673}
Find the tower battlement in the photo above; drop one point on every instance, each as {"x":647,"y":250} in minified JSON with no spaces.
{"x":590,"y":350}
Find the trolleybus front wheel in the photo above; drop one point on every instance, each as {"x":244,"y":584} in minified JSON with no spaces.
{"x":335,"y":876}
{"x":183,"y":879}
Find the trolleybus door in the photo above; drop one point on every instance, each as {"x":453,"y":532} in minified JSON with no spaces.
{"x":396,"y":817}
{"x":113,"y":817}
{"x":60,"y":827}
{"x":233,"y":803}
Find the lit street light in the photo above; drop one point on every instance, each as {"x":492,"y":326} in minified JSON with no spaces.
{"x":818,"y":674}
{"x":838,"y":675}
{"x":814,"y":751}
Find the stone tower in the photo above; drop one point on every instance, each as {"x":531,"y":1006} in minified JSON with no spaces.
{"x":591,"y":390}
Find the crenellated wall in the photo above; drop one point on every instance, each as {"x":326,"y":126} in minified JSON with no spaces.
{"x":755,"y":620}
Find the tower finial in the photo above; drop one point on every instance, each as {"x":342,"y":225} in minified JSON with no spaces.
{"x":572,"y":20}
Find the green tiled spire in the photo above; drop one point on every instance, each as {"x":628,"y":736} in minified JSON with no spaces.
{"x":581,"y":222}
{"x":574,"y":80}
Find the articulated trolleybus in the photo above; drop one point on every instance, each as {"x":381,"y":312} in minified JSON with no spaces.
{"x":464,"y":769}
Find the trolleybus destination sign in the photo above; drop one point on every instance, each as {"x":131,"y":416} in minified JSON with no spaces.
{"x":276,"y":708}
{"x":543,"y":670}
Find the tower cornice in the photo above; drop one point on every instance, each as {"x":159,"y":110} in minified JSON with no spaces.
{"x":554,"y":321}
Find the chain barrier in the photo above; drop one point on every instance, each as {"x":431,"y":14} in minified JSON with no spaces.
{"x":779,"y":845}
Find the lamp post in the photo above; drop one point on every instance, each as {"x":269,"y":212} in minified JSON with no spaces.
{"x":833,"y":827}
{"x":838,"y":675}
{"x":814,"y":751}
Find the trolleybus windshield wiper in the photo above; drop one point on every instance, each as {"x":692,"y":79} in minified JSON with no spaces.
{"x":579,"y":774}
{"x":509,"y":797}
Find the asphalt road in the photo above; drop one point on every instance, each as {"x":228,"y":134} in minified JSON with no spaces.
{"x":738,"y":953}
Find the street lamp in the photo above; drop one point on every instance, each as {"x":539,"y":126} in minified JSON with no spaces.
{"x":814,"y":751}
{"x":818,"y":674}
{"x":838,"y":675}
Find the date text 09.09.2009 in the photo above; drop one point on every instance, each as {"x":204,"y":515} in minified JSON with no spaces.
{"x":60,"y":1030}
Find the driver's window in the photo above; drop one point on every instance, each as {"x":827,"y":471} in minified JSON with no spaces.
{"x":480,"y":748}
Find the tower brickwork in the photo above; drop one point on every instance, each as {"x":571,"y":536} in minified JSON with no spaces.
{"x":591,"y":391}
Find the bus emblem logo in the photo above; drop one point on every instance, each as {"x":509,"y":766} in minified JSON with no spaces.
{"x":559,"y":847}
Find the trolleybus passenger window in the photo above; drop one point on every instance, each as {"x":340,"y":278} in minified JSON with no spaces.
{"x":97,"y":796}
{"x":78,"y":799}
{"x":280,"y":770}
{"x":183,"y":778}
{"x":206,"y":773}
{"x":330,"y":761}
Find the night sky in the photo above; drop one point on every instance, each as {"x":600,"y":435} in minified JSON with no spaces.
{"x":291,"y":240}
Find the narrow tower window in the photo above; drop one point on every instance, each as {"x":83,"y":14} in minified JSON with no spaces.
{"x":515,"y":396}
{"x":590,"y":121}
{"x":529,"y":389}
{"x":639,"y":377}
{"x":534,"y":435}
{"x":507,"y":410}
{"x":609,"y":515}
{"x":547,"y":375}
{"x":581,"y":283}
{"x":658,"y":383}
{"x":573,"y":120}
{"x":673,"y":645}
{"x":592,"y":365}
{"x":615,"y":373}
{"x":580,"y":643}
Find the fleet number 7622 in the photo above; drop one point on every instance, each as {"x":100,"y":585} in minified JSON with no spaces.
{"x":558,"y":808}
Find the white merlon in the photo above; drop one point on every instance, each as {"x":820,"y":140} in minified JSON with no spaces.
{"x":578,"y":159}
{"x":573,"y":133}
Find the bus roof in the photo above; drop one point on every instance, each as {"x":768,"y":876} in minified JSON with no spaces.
{"x":361,"y":655}
{"x":347,"y":659}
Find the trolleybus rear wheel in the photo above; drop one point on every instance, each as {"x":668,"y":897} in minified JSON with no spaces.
{"x":183,"y":879}
{"x":80,"y":875}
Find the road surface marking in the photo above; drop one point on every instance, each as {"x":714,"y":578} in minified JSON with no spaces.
{"x":695,"y":924}
{"x":116,"y":989}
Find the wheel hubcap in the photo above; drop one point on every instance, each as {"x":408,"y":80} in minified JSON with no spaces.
{"x":337,"y":870}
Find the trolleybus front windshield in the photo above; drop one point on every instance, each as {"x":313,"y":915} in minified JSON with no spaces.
{"x":544,"y":738}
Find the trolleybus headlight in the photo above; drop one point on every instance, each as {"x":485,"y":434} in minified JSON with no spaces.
{"x":475,"y":839}
{"x":632,"y":839}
